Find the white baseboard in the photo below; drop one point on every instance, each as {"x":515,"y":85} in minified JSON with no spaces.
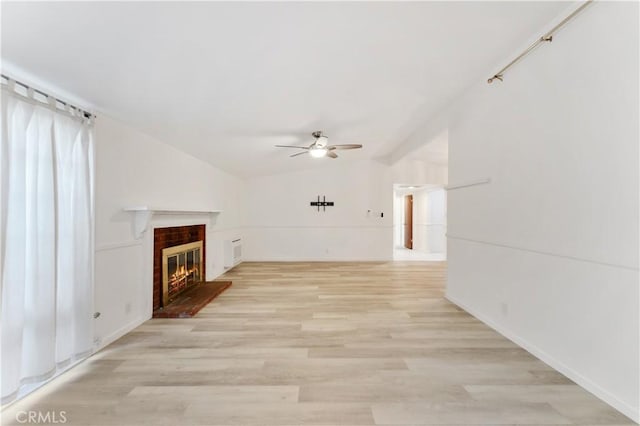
{"x":316,"y":259}
{"x":105,"y":341}
{"x":578,"y":378}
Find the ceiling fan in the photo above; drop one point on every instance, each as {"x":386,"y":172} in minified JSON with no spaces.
{"x":320,"y":147}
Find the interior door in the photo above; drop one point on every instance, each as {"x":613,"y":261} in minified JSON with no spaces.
{"x":408,"y":221}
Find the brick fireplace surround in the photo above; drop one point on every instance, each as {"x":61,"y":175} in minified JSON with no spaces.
{"x":169,"y":237}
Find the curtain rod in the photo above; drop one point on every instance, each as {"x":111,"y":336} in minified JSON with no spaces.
{"x":85,"y":113}
{"x":547,"y":37}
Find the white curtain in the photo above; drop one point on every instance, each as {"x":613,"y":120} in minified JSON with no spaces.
{"x":46,"y":248}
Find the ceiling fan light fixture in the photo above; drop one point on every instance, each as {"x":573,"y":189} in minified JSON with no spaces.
{"x":318,"y":152}
{"x":320,"y":146}
{"x":322,"y":141}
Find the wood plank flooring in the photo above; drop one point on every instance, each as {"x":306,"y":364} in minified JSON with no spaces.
{"x":319,"y":344}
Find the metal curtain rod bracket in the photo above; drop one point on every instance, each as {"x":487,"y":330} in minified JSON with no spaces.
{"x":85,"y":113}
{"x":546,"y":38}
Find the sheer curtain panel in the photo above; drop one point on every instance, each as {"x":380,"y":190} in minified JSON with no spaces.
{"x":46,"y":248}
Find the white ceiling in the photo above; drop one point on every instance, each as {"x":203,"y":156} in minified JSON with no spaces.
{"x":227,"y":81}
{"x":436,"y":151}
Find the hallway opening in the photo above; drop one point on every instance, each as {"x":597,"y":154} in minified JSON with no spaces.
{"x":419,"y":222}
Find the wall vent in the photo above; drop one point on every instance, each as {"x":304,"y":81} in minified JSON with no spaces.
{"x":232,"y":252}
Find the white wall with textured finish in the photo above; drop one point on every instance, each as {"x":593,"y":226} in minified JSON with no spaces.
{"x":134,"y":169}
{"x":547,"y":252}
{"x":281,"y":225}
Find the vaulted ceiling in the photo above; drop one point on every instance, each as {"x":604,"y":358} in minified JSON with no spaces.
{"x":227,"y":81}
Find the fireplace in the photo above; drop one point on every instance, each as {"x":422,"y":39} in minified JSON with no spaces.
{"x":181,"y":269}
{"x":179,"y":259}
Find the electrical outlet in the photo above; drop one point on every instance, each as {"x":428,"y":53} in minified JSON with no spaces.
{"x":127,"y":308}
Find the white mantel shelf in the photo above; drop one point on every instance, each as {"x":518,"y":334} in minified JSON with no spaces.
{"x":143,"y":215}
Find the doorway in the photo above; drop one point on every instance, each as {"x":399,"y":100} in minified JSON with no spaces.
{"x":419,"y":222}
{"x":408,"y":222}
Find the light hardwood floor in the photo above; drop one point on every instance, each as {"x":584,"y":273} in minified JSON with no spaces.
{"x":321,"y":344}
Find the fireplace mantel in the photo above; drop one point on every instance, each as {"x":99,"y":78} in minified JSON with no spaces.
{"x":143,"y":214}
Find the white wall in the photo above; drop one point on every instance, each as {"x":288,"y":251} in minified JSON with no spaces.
{"x":435,"y":223}
{"x":547,"y":253}
{"x":415,"y":171}
{"x":133,"y":169}
{"x":398,"y":218}
{"x":281,"y":225}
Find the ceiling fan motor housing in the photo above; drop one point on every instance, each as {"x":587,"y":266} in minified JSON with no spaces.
{"x":321,"y":140}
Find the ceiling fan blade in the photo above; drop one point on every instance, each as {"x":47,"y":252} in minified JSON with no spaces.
{"x":345,"y":146}
{"x":299,"y":153}
{"x":332,"y":154}
{"x":291,"y":146}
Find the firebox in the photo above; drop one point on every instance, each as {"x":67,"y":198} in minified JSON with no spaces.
{"x":181,"y":269}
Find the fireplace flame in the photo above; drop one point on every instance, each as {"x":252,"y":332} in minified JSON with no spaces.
{"x":181,"y":269}
{"x":181,"y":277}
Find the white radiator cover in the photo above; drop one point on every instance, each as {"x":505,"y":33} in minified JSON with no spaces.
{"x":232,"y":252}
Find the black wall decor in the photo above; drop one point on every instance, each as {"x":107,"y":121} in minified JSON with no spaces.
{"x":324,"y":203}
